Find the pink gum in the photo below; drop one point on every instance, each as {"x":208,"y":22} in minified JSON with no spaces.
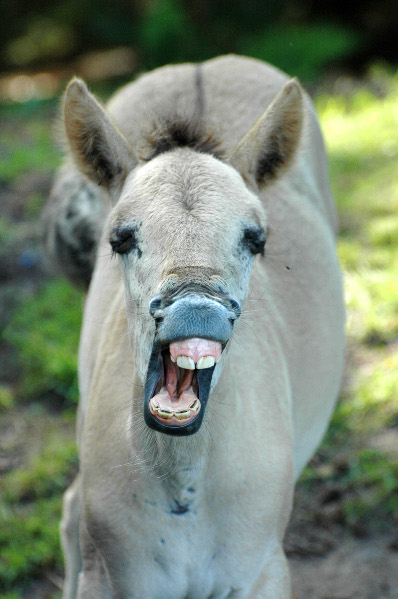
{"x":195,"y":348}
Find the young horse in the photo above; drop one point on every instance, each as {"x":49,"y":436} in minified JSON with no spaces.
{"x":212,"y":344}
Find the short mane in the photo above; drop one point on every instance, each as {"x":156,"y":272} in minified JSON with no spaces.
{"x":172,"y":132}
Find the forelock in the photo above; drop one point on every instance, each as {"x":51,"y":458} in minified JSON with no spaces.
{"x":171,"y":132}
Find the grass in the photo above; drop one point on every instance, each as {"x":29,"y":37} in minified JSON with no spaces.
{"x":372,"y":477}
{"x":30,"y":509}
{"x":31,"y":124}
{"x":48,"y":349}
{"x":363,"y":149}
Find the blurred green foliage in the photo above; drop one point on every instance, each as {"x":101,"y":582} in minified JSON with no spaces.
{"x":7,"y":400}
{"x":37,"y":152}
{"x":27,"y":143}
{"x":373,"y":478}
{"x":30,"y":510}
{"x":168,"y":33}
{"x":367,"y":480}
{"x":299,"y":36}
{"x":304,"y":50}
{"x":363,"y":150}
{"x":45,"y":331}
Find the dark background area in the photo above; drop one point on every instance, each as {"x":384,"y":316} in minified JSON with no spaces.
{"x":347,"y":35}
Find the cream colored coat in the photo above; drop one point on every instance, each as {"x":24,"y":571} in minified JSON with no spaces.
{"x":204,"y":516}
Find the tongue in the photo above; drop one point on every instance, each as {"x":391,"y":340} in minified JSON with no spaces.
{"x":174,"y":386}
{"x":165,"y":402}
{"x":195,"y":348}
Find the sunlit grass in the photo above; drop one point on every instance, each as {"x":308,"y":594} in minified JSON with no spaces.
{"x":373,"y":401}
{"x":362,"y":143}
{"x":363,"y":149}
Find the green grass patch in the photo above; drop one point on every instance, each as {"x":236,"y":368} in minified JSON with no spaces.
{"x":373,"y":401}
{"x":373,"y":479}
{"x":363,"y":150}
{"x":45,"y":330}
{"x":30,"y":511}
{"x":368,"y":479}
{"x":48,"y":474}
{"x":27,"y":146}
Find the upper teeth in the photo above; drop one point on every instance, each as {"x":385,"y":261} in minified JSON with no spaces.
{"x":185,"y":362}
{"x":189,"y":364}
{"x":205,"y":362}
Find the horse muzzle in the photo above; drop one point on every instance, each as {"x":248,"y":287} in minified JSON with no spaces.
{"x":191,"y":333}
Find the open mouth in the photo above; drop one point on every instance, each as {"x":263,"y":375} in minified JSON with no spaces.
{"x":178,"y":385}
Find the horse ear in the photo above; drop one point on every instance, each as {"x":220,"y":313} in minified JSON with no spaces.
{"x":98,"y":148}
{"x":270,"y":145}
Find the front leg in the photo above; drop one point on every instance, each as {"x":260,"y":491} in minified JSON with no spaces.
{"x":274,"y":579}
{"x":70,"y":538}
{"x":93,"y":581}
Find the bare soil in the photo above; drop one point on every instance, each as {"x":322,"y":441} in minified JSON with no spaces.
{"x":331,"y":561}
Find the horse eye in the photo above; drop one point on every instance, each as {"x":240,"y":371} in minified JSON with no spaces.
{"x":254,"y":240}
{"x":123,"y":240}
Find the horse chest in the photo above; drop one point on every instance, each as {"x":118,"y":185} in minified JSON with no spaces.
{"x":176,"y":550}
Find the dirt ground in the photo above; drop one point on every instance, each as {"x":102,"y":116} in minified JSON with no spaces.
{"x":360,"y":569}
{"x":327,"y":559}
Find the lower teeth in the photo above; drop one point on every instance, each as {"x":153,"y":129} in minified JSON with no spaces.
{"x":166,"y":415}
{"x":182,"y":415}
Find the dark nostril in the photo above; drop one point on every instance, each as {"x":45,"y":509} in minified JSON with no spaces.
{"x":235,"y":306}
{"x":158,"y":316}
{"x":154,"y":306}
